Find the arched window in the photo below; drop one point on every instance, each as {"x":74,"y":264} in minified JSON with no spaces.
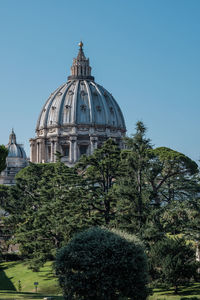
{"x":65,"y":150}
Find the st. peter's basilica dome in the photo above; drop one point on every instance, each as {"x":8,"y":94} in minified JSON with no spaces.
{"x":77,"y":117}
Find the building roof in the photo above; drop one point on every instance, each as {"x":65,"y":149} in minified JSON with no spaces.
{"x":14,"y":149}
{"x":81,"y":101}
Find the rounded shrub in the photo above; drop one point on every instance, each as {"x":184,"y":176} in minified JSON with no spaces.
{"x":102,"y":264}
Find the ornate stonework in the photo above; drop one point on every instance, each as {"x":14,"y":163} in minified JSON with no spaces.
{"x":76,"y":118}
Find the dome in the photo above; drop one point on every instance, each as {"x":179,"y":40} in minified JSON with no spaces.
{"x":81,"y":102}
{"x":15,"y":161}
{"x":77,"y":118}
{"x":14,"y":149}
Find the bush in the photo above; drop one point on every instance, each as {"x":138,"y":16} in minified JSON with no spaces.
{"x":11,"y":257}
{"x":174,"y":261}
{"x":102,"y":264}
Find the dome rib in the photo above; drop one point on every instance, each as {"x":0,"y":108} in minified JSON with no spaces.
{"x":115,"y":110}
{"x":62,"y":103}
{"x":50,"y":117}
{"x":119,"y":113}
{"x":103,"y":103}
{"x":81,"y":102}
{"x":90,"y":102}
{"x":74,"y":104}
{"x":43,"y":119}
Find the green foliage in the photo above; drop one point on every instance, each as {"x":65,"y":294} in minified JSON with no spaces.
{"x":4,"y":192}
{"x":4,"y":231}
{"x":102,"y":264}
{"x":176,"y":161}
{"x":153,"y":187}
{"x":19,"y":285}
{"x":145,"y":191}
{"x":46,"y":208}
{"x":131,"y":187}
{"x":172,"y":176}
{"x":173,"y":261}
{"x":3,"y":155}
{"x":100,"y":170}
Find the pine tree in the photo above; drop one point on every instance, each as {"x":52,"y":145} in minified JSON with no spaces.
{"x":100,"y":171}
{"x":46,"y":208}
{"x":174,"y":261}
{"x":131,"y":187}
{"x":3,"y":155}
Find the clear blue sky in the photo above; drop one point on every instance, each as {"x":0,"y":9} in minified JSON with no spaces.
{"x":145,"y":52}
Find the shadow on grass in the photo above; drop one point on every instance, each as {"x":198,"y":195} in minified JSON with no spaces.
{"x":26,"y":295}
{"x":11,"y":264}
{"x":48,"y":276}
{"x":5,"y":282}
{"x":189,"y":290}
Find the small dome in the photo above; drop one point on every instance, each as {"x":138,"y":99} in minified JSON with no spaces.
{"x":15,"y":161}
{"x":81,"y":102}
{"x":14,"y":149}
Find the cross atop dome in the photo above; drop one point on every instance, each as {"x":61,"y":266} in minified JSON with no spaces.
{"x":81,"y":66}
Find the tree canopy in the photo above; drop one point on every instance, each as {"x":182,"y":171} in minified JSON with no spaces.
{"x":46,"y":208}
{"x":146,"y":191}
{"x":3,"y":155}
{"x":100,"y":170}
{"x":175,"y":261}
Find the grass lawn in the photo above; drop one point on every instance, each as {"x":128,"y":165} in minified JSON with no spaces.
{"x":189,"y":292}
{"x":9,"y":295}
{"x":12,"y":272}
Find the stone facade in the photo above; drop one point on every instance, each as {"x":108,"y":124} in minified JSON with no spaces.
{"x":76,"y":118}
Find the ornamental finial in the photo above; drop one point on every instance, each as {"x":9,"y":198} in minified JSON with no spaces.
{"x":81,"y":44}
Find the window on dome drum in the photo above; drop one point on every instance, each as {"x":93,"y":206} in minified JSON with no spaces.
{"x":83,"y":149}
{"x":65,"y":150}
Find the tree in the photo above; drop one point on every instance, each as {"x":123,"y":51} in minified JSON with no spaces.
{"x":132,"y":187}
{"x":174,"y":183}
{"x":153,"y":184}
{"x":4,"y":230}
{"x":174,"y":261}
{"x":3,"y":191}
{"x":104,"y":265}
{"x":46,"y":208}
{"x":100,"y":170}
{"x":3,"y":155}
{"x":172,"y":176}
